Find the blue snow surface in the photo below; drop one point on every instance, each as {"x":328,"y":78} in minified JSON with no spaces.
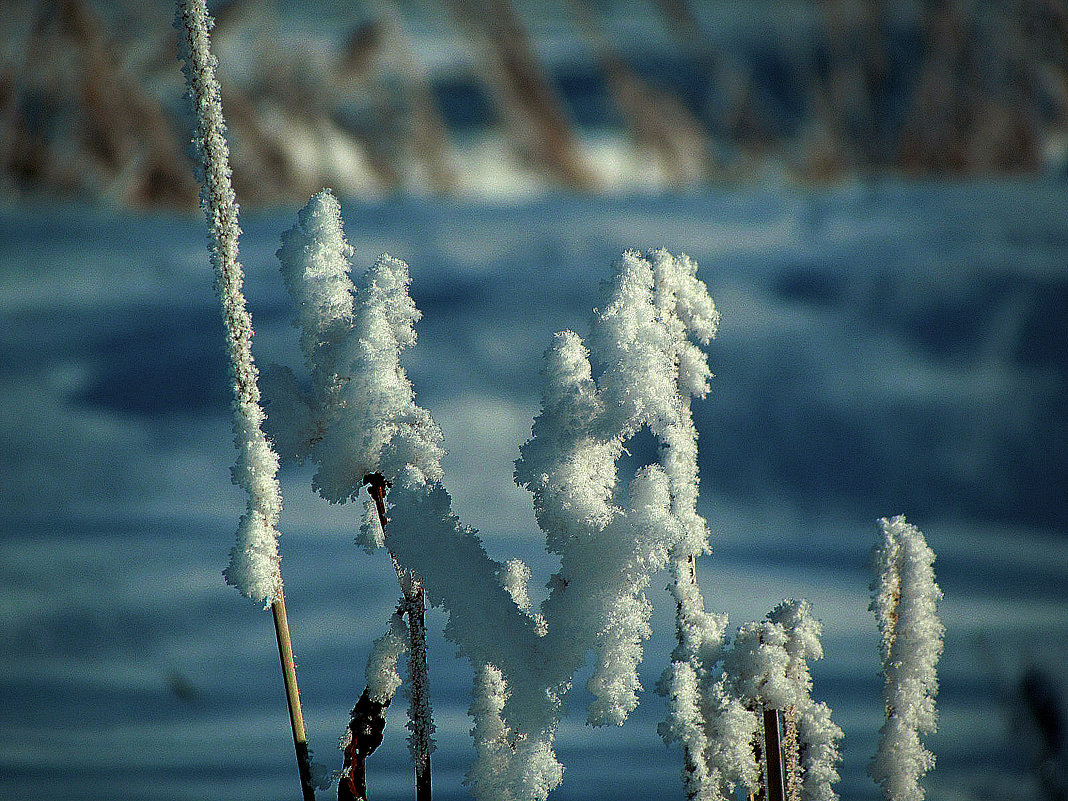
{"x":885,"y":348}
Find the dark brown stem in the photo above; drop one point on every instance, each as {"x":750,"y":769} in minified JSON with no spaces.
{"x":415,"y":608}
{"x":773,"y":778}
{"x":366,"y":724}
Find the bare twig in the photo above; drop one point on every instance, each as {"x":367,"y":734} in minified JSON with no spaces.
{"x":415,"y":608}
{"x":773,"y":778}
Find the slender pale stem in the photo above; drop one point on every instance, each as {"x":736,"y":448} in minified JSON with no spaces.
{"x":289,"y":678}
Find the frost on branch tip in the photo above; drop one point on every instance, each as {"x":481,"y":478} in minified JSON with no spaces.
{"x":905,"y":599}
{"x":360,"y":415}
{"x":649,"y":368}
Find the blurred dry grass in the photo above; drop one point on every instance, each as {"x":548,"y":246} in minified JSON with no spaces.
{"x":91,"y":106}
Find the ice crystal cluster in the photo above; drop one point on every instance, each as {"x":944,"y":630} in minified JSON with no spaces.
{"x":359,"y":415}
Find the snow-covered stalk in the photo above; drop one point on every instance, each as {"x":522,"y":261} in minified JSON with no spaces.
{"x":905,"y":599}
{"x":699,"y":636}
{"x":420,"y":716}
{"x":684,"y":307}
{"x":791,"y":754}
{"x":255,"y":564}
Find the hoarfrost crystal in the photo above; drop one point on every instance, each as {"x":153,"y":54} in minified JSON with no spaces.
{"x":360,"y":416}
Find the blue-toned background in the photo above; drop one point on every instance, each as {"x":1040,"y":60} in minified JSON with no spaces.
{"x":884,"y":349}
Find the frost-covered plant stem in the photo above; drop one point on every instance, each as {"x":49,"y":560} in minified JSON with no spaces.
{"x":904,"y":600}
{"x":420,"y":717}
{"x":255,"y":563}
{"x":791,"y":749}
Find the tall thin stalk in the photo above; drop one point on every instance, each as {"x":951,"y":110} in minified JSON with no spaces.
{"x":254,"y":566}
{"x":289,"y":679}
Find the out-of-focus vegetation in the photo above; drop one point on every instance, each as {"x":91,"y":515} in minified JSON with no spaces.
{"x":483,"y":97}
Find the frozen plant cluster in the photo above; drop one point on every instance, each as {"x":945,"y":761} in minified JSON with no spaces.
{"x":355,"y":416}
{"x":765,"y":667}
{"x":359,"y":417}
{"x":768,"y":666}
{"x":905,"y":599}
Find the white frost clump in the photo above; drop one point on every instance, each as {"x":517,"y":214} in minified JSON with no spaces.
{"x":486,"y":777}
{"x":255,"y":564}
{"x":509,"y":766}
{"x":611,"y":535}
{"x":515,"y":577}
{"x":716,"y":730}
{"x":768,"y":667}
{"x":360,"y":415}
{"x":254,"y":561}
{"x":731,"y":730}
{"x":904,"y":600}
